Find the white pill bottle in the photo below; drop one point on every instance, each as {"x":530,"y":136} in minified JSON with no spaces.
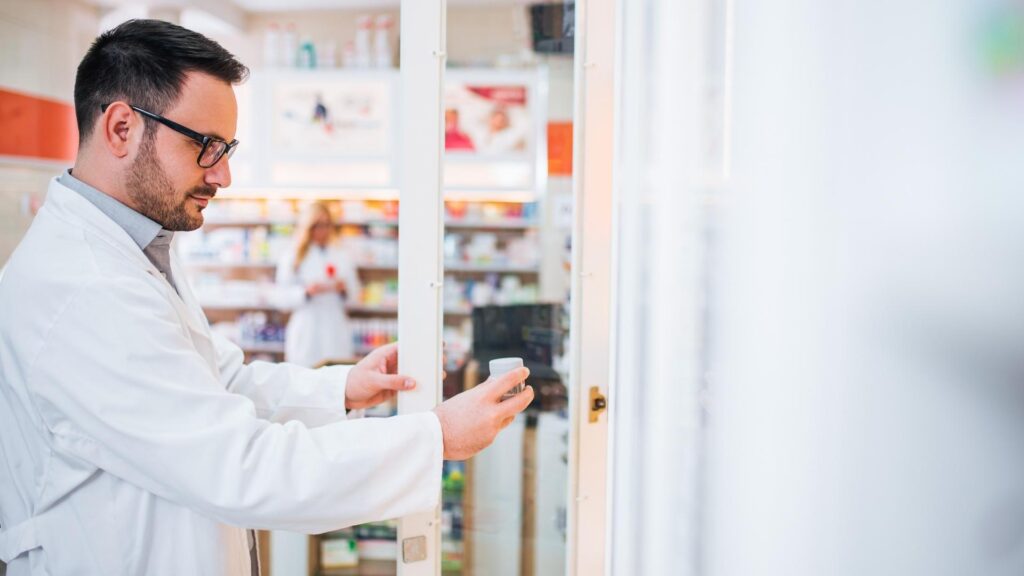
{"x":501,"y":366}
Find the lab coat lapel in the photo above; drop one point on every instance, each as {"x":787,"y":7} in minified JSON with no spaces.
{"x":188,"y":306}
{"x":68,"y":204}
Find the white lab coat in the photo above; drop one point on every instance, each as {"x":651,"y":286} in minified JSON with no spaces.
{"x":319,"y":329}
{"x":135,"y":441}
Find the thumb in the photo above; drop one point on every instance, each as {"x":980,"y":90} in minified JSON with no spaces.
{"x":504,"y":383}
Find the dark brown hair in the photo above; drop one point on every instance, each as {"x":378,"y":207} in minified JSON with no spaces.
{"x":144,"y":63}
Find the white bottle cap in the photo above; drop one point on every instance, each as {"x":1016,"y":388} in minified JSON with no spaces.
{"x":501,"y":366}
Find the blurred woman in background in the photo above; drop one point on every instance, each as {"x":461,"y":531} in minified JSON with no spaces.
{"x":319,"y":328}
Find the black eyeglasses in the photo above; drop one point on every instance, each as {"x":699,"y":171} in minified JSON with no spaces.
{"x":213,"y":148}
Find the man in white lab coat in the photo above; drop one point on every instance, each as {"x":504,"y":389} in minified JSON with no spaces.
{"x":133,"y":440}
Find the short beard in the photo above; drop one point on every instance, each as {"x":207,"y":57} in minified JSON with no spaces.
{"x":153,"y":192}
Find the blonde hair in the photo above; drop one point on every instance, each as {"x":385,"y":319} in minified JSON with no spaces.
{"x":305,"y":232}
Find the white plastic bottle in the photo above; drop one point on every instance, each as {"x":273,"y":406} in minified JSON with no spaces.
{"x":289,"y":46}
{"x":382,"y":57}
{"x":272,"y":46}
{"x":364,"y":29}
{"x":501,"y":366}
{"x":307,"y":53}
{"x":348,"y":55}
{"x":326,"y":54}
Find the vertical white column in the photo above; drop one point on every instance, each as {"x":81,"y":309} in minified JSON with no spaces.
{"x":419,"y":248}
{"x":670,"y":167}
{"x":591,"y":282}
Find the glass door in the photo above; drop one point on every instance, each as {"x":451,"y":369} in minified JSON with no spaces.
{"x":504,"y":252}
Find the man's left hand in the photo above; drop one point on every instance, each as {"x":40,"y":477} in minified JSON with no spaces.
{"x":374,"y":380}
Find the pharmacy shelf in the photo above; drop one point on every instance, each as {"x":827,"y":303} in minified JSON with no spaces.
{"x":242,"y":307}
{"x":354,"y":310}
{"x":372,"y":310}
{"x":464,"y":268}
{"x":247,"y":222}
{"x":365,"y":568}
{"x":475,"y":194}
{"x":498,"y":269}
{"x":207,"y":264}
{"x":475,"y":223}
{"x":263,"y":347}
{"x":393,"y":311}
{"x":510,"y":224}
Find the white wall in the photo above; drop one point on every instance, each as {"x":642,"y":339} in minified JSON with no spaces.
{"x":556,"y":224}
{"x":41,"y":43}
{"x":476,"y":34}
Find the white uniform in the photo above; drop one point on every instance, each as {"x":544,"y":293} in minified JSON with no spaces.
{"x":134,"y":441}
{"x":318,"y":329}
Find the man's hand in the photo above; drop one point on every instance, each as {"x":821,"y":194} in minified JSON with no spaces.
{"x":373,"y":379}
{"x":471,"y":420}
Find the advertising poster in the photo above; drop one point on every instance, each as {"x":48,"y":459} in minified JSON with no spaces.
{"x":332,"y":119}
{"x":487,"y":120}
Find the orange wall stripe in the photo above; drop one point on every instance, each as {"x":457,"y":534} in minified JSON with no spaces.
{"x":560,"y":148}
{"x":36,"y":127}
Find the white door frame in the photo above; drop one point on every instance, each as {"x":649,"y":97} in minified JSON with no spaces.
{"x":592,"y":298}
{"x":420,"y":271}
{"x":420,"y":255}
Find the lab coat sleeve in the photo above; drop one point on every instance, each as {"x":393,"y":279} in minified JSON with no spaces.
{"x":281,"y":391}
{"x":120,"y":384}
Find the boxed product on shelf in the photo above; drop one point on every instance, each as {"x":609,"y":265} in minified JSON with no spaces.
{"x":236,"y":245}
{"x":370,"y":334}
{"x":228,"y":210}
{"x":381,"y":294}
{"x":368,"y":210}
{"x":377,"y":540}
{"x":339,"y":549}
{"x":253,"y":331}
{"x":457,"y":343}
{"x":523,"y":250}
{"x":372,"y":250}
{"x":214,"y":292}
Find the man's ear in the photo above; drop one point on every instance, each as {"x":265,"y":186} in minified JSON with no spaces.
{"x":121,"y":129}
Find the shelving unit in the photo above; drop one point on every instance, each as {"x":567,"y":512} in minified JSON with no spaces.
{"x":230,"y":265}
{"x":480,"y":224}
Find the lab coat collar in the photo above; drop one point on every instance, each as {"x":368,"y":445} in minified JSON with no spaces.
{"x":71,"y":206}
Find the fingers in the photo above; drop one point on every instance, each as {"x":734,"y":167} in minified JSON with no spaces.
{"x":386,"y":352}
{"x":384,"y":358}
{"x":499,"y":386}
{"x":393,"y":382}
{"x":517,"y":403}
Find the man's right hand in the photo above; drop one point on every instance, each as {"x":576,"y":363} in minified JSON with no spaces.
{"x":471,"y":420}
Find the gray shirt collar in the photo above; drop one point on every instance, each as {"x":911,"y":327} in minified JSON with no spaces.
{"x":141,"y":229}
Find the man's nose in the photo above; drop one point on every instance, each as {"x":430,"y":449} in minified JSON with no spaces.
{"x":219,"y":174}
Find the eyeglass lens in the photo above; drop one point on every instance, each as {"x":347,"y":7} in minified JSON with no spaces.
{"x":212,"y":153}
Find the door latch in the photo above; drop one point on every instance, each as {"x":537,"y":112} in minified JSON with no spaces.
{"x":598,"y":403}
